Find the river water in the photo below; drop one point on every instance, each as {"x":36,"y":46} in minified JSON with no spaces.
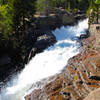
{"x":47,"y":63}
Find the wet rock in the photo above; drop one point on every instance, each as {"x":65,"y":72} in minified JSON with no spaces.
{"x":42,"y":43}
{"x":83,"y":36}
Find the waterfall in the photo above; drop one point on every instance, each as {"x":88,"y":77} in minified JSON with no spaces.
{"x":47,"y":63}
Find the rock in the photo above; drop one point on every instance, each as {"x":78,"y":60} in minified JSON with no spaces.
{"x":80,"y":16}
{"x":36,"y":94}
{"x":83,"y":36}
{"x":94,"y":95}
{"x":68,"y":19}
{"x":80,"y":12}
{"x":60,"y":11}
{"x":98,"y":27}
{"x":45,"y":41}
{"x":42,"y":43}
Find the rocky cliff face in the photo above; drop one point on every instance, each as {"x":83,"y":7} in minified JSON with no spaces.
{"x":79,"y":77}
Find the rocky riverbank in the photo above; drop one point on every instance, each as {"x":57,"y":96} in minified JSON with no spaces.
{"x":79,"y":77}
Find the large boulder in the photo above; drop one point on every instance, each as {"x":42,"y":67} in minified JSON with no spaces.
{"x":45,"y":41}
{"x":68,"y":20}
{"x":42,"y":43}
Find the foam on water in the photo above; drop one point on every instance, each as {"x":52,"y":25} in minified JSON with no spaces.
{"x":47,"y":63}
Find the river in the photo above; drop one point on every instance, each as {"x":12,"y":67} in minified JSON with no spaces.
{"x":50,"y":62}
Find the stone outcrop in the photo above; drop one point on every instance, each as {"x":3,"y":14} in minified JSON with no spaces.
{"x":79,"y":77}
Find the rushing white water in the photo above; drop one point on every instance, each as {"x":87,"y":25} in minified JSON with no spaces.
{"x":47,"y":63}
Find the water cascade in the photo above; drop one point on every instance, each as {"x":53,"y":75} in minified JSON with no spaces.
{"x":47,"y":63}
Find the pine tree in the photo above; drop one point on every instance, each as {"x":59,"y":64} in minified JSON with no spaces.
{"x":6,"y":17}
{"x":23,"y":9}
{"x":93,"y":11}
{"x":13,"y":15}
{"x":97,"y":4}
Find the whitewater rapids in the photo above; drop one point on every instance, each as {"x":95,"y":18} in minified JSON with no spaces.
{"x":47,"y":63}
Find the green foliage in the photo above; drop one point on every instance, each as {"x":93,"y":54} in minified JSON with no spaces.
{"x":89,"y":8}
{"x":2,"y":2}
{"x":89,"y":47}
{"x":46,"y":6}
{"x":13,"y":14}
{"x":22,"y":9}
{"x":83,"y":4}
{"x":68,"y":6}
{"x":6,"y":23}
{"x":93,"y":11}
{"x":42,"y":6}
{"x":97,"y":2}
{"x":13,"y":24}
{"x":75,"y":78}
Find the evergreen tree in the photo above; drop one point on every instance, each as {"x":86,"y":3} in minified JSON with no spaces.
{"x":6,"y":17}
{"x":13,"y":15}
{"x":93,"y":10}
{"x":46,"y":6}
{"x":23,"y":9}
{"x":23,"y":13}
{"x":97,"y":4}
{"x":43,"y":6}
